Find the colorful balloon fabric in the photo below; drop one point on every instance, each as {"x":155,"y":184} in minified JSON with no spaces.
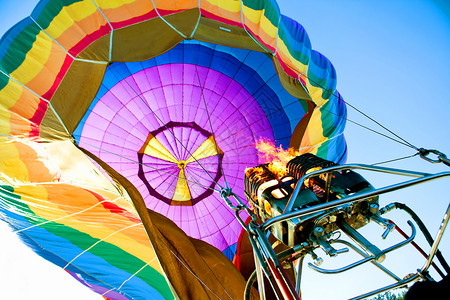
{"x":113,"y":112}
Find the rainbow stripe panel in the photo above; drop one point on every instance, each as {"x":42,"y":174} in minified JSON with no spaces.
{"x":85,"y":238}
{"x":170,"y":94}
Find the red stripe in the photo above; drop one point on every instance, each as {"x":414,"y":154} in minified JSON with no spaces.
{"x":59,"y":77}
{"x":89,"y":39}
{"x":214,"y":17}
{"x":113,"y":208}
{"x":145,"y":17}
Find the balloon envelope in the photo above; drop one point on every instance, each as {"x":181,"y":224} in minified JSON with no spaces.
{"x":112,"y":111}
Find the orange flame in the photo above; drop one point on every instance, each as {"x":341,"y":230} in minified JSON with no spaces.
{"x":276,"y":157}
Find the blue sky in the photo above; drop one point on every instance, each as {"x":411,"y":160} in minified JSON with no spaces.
{"x":392,"y":63}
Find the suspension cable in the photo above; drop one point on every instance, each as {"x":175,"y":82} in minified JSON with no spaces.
{"x":148,"y":166}
{"x":393,"y":160}
{"x":337,"y":95}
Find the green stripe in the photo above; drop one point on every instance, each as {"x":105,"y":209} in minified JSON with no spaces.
{"x":328,"y":128}
{"x":322,"y":151}
{"x":51,"y":10}
{"x":114,"y":255}
{"x":304,"y":104}
{"x":23,"y":42}
{"x":270,"y":10}
{"x":17,"y":51}
{"x":297,"y":55}
{"x":327,"y":120}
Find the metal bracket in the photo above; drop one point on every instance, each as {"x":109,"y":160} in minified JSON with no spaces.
{"x":371,"y":258}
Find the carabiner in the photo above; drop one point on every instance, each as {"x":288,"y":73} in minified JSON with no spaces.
{"x":441,"y":157}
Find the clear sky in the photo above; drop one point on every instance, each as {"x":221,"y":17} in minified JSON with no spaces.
{"x":392,"y":63}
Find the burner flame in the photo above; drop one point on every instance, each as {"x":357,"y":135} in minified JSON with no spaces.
{"x":277,"y":157}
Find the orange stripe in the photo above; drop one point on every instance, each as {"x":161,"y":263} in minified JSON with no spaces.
{"x":176,"y":5}
{"x":26,"y":105}
{"x":64,"y":196}
{"x":260,"y":34}
{"x":128,"y":11}
{"x":18,"y":125}
{"x":78,"y":31}
{"x":231,"y":14}
{"x":43,"y":81}
{"x":53,"y":202}
{"x":38,"y":171}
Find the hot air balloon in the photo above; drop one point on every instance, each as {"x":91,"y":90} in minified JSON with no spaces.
{"x":123,"y":121}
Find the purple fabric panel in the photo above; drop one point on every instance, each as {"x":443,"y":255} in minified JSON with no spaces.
{"x":121,"y":121}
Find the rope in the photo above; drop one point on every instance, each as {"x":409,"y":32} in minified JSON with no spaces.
{"x":209,"y":119}
{"x":400,"y":139}
{"x":381,"y":125}
{"x":392,"y":160}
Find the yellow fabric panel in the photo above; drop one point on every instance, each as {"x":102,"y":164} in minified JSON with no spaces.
{"x":182,"y":192}
{"x":111,"y":4}
{"x":75,"y":22}
{"x":315,"y":92}
{"x":37,"y":64}
{"x":30,"y":160}
{"x":17,"y":104}
{"x":11,"y":165}
{"x":292,"y":85}
{"x":10,"y":94}
{"x":268,"y":31}
{"x":53,"y":202}
{"x":123,"y":10}
{"x":18,"y":99}
{"x":32,"y":65}
{"x":254,"y":16}
{"x":260,"y":26}
{"x":66,"y":18}
{"x":228,"y":9}
{"x":207,"y":148}
{"x":5,"y":124}
{"x":314,"y":131}
{"x":154,"y":148}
